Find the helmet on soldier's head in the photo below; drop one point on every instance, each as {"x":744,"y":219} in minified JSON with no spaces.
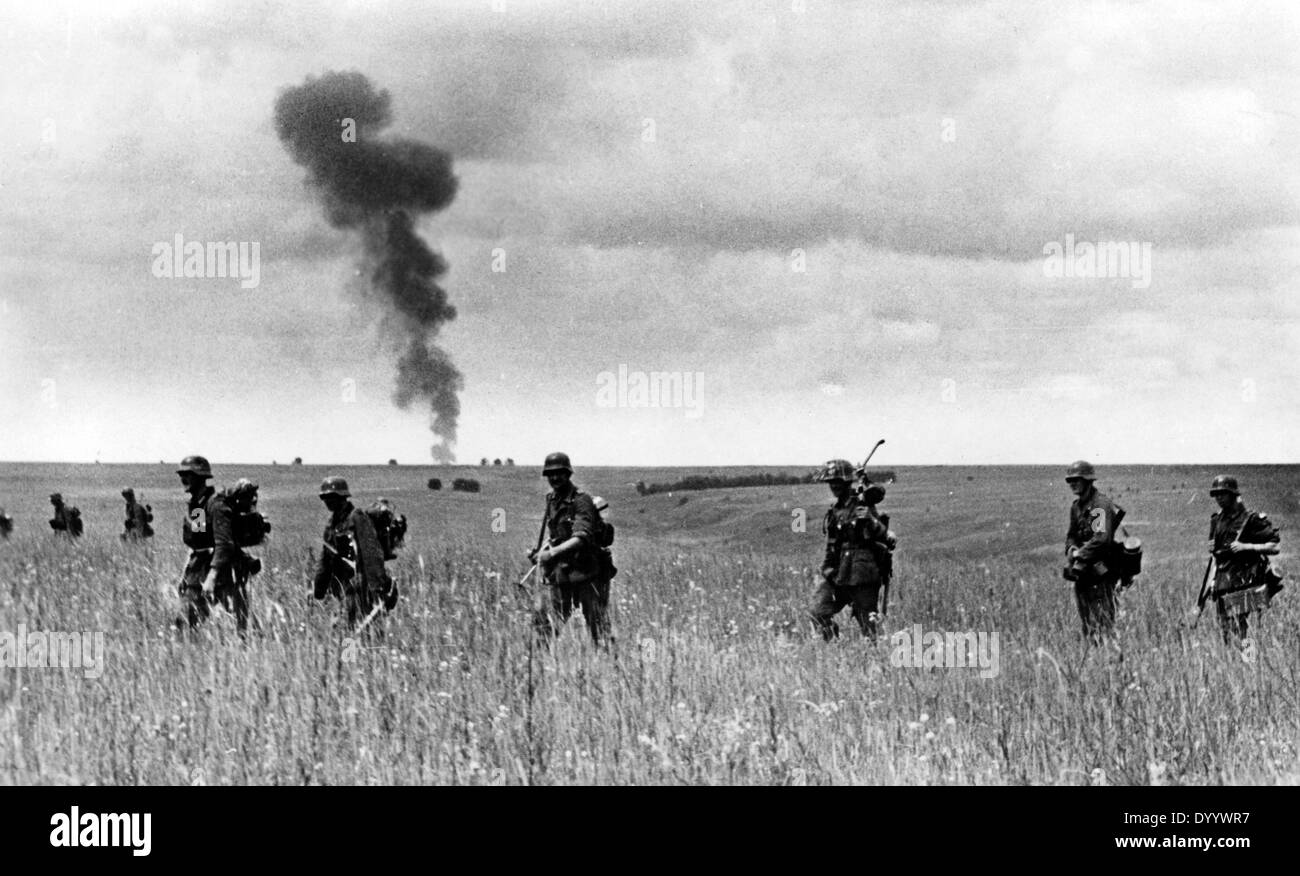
{"x":836,"y":470}
{"x":244,"y":485}
{"x":557,"y":462}
{"x":128,"y":493}
{"x":1080,"y":470}
{"x":1224,"y":484}
{"x":335,"y":485}
{"x":195,"y":465}
{"x":56,"y":497}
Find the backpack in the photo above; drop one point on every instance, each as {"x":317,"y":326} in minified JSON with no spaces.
{"x":604,"y":534}
{"x":248,"y":527}
{"x":390,"y":527}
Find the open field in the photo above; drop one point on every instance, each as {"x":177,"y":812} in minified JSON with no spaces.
{"x":715,"y":677}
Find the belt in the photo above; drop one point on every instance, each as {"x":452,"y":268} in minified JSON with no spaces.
{"x":201,"y":551}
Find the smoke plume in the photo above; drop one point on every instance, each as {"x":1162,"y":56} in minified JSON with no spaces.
{"x":378,"y":187}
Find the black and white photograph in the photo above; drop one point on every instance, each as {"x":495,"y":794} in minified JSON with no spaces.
{"x":798,"y":393}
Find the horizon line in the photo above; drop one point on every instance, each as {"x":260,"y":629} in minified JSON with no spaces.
{"x":477,"y":465}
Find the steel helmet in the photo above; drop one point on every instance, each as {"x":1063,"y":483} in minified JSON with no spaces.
{"x":335,"y":485}
{"x":1224,"y":484}
{"x":1081,"y":470}
{"x":128,"y":493}
{"x":557,"y":462}
{"x":56,"y":497}
{"x":836,"y":470}
{"x":195,"y":465}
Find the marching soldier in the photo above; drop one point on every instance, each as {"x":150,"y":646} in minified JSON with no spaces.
{"x":858,"y":546}
{"x":1241,"y":542}
{"x":138,"y":517}
{"x":216,"y":568}
{"x":67,"y":519}
{"x":574,"y":564}
{"x":1089,"y":551}
{"x":351,"y":566}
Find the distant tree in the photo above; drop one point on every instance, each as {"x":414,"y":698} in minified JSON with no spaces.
{"x":483,"y":461}
{"x":392,"y":462}
{"x":509,"y":461}
{"x":496,"y":461}
{"x":435,"y":484}
{"x":297,"y":460}
{"x":640,"y":488}
{"x":465,"y":485}
{"x":273,"y":462}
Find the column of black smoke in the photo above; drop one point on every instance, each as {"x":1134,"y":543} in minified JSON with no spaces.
{"x":378,"y":187}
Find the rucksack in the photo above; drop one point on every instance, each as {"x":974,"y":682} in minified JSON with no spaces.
{"x":248,"y":526}
{"x":390,"y":527}
{"x":604,"y":534}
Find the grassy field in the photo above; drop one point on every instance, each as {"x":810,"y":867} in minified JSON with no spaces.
{"x":715,"y":677}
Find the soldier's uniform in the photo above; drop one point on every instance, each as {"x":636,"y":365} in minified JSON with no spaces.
{"x":66,"y":520}
{"x":1090,"y":548}
{"x":136,"y":526}
{"x":208,"y":531}
{"x":857,"y":560}
{"x":6,"y":524}
{"x":578,"y":578}
{"x":352,"y":568}
{"x":851,"y":569}
{"x":1237,"y":575}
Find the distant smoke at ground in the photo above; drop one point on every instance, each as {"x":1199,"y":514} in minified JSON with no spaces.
{"x":379,"y":187}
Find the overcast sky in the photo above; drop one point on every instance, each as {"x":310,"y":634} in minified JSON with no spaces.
{"x":835,"y":214}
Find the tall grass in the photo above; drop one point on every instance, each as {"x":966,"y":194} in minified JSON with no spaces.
{"x":714,"y":678}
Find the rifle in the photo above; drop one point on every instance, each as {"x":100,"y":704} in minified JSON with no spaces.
{"x":863,"y":481}
{"x":1204,"y":593}
{"x":542,"y":541}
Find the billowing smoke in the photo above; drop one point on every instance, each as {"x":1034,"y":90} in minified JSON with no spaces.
{"x":378,"y":187}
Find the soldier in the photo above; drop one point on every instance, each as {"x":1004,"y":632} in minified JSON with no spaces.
{"x":138,"y":517}
{"x":576,"y":568}
{"x":858,"y":543}
{"x":6,"y":524}
{"x":351,"y":564}
{"x":67,"y":518}
{"x":1089,"y":551}
{"x":213,"y":570}
{"x":1241,"y":541}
